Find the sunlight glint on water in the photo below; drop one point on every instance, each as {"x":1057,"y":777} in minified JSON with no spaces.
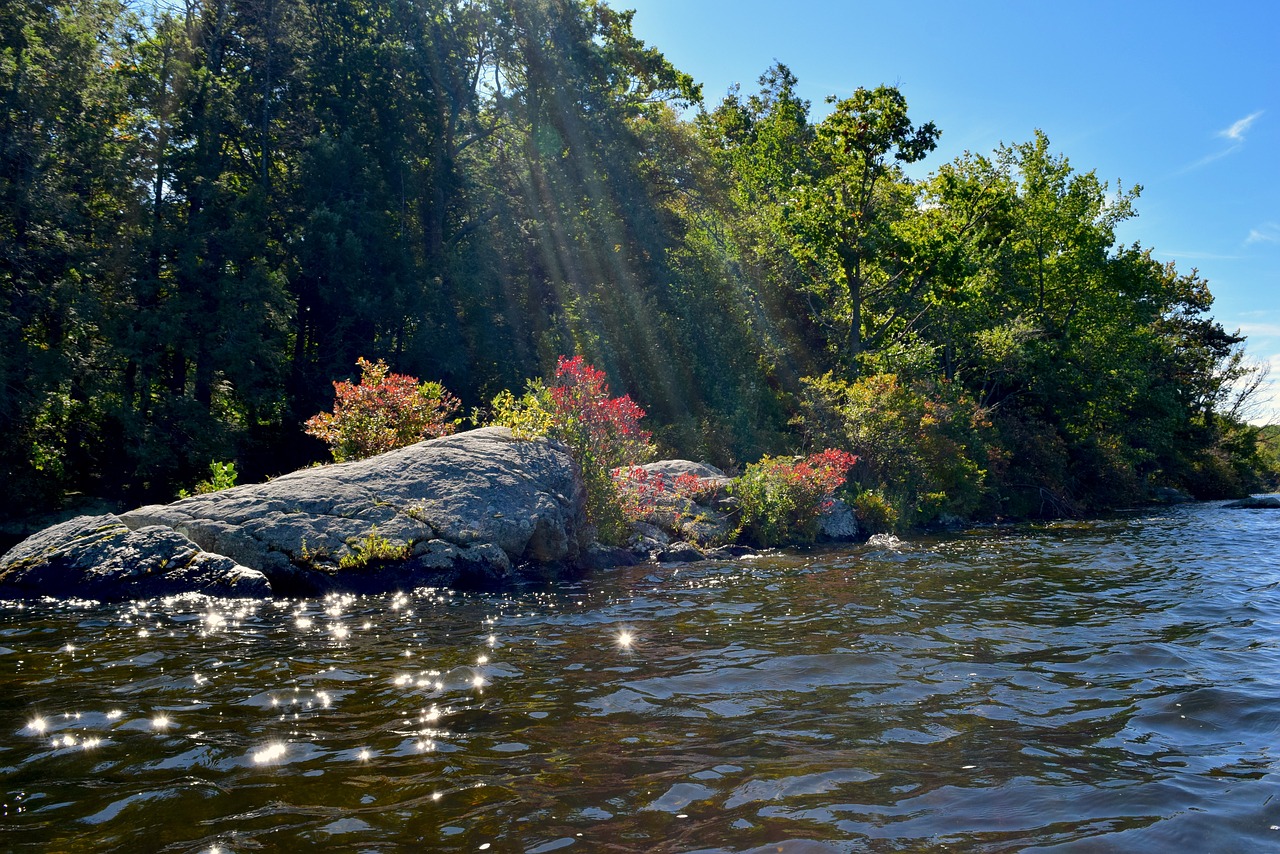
{"x":1110,"y":685}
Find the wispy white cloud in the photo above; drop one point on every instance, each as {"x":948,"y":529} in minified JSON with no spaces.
{"x":1192,"y":255}
{"x":1234,"y":134}
{"x":1268,"y":232}
{"x":1207,"y":159}
{"x":1238,"y":129}
{"x":1261,"y":330}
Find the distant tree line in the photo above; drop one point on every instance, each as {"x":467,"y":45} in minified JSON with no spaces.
{"x":209,"y":212}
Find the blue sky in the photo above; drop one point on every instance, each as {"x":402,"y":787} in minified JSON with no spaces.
{"x":1180,"y":97}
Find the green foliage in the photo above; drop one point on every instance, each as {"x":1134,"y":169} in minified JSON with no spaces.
{"x":850,"y":216}
{"x":923,"y":447}
{"x":781,"y":500}
{"x":1268,"y":439}
{"x":528,"y":416}
{"x":875,"y":514}
{"x":222,"y":475}
{"x":372,"y":551}
{"x":1242,"y":461}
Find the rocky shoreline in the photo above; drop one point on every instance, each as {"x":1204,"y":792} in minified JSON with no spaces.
{"x":470,"y":509}
{"x":476,"y":509}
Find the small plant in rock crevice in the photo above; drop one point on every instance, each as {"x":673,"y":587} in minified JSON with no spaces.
{"x":373,"y":549}
{"x":313,"y":557}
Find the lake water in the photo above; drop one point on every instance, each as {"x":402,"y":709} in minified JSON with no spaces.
{"x":1080,"y":686}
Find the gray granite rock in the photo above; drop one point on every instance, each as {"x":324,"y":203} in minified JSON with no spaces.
{"x":99,"y":557}
{"x":464,"y":509}
{"x":477,"y":488}
{"x":838,"y":524}
{"x":706,"y":516}
{"x":671,"y":469}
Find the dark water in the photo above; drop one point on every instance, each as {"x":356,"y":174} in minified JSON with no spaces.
{"x":1104,"y":686}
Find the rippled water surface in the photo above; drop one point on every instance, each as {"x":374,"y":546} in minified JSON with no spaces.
{"x":1102,"y":686}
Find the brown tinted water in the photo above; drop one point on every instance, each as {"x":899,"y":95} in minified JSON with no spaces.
{"x":1103,"y":686}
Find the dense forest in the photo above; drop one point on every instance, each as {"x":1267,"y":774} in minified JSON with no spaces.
{"x":209,"y":211}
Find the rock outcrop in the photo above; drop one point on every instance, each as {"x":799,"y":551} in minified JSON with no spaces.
{"x":98,"y":557}
{"x":687,"y":502}
{"x":838,"y":524}
{"x":473,"y":508}
{"x":692,"y":515}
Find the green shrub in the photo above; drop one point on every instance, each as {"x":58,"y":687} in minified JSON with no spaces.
{"x":1213,"y":476}
{"x":221,"y":476}
{"x":781,"y":499}
{"x":874,"y":512}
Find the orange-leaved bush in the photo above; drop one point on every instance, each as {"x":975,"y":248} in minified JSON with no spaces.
{"x":384,"y":411}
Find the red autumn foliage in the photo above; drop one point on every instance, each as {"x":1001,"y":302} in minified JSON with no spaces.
{"x":384,"y":411}
{"x":642,"y":491}
{"x":604,"y":430}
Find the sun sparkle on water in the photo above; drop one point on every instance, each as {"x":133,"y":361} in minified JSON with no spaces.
{"x":271,"y":753}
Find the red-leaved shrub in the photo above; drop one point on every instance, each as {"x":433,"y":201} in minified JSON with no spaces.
{"x":384,"y":411}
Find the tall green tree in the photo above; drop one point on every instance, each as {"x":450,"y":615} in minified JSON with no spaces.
{"x":62,"y":193}
{"x":845,"y":218}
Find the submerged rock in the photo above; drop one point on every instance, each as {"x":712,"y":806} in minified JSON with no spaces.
{"x":679,"y":553}
{"x":1265,"y":502}
{"x":469,"y":509}
{"x":1170,"y":495}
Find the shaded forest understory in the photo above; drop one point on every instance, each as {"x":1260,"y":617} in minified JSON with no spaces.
{"x":208,"y":215}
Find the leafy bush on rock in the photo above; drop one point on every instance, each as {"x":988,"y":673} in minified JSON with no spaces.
{"x":384,"y":411}
{"x":602,"y":432}
{"x":221,"y":476}
{"x":781,"y":499}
